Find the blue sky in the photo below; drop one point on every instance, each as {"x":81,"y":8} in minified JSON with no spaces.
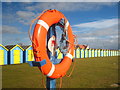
{"x":95,"y":24}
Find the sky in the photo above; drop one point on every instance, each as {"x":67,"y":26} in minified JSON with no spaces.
{"x":94,"y":23}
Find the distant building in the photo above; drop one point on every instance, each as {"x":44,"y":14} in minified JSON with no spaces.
{"x":83,"y":46}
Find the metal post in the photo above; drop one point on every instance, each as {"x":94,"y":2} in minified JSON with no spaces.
{"x":51,"y":83}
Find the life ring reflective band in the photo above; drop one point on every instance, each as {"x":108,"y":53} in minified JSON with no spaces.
{"x":44,"y":24}
{"x":69,"y":55}
{"x":51,"y":71}
{"x":46,"y":20}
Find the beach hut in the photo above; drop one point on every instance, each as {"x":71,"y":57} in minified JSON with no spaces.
{"x":114,"y":52}
{"x":109,"y":53}
{"x":77,"y":52}
{"x":98,"y":52}
{"x":82,"y":53}
{"x":101,"y":52}
{"x":28,"y":53}
{"x":3,"y":55}
{"x":90,"y":53}
{"x":15,"y":54}
{"x":93,"y":52}
{"x":59,"y":54}
{"x":104,"y":52}
{"x":86,"y":53}
{"x":118,"y":52}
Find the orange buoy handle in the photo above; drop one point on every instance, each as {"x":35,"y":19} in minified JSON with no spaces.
{"x":46,"y":20}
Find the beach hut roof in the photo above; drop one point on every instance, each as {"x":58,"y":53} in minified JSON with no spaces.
{"x":26,"y":46}
{"x":10,"y":47}
{"x":82,"y":46}
{"x":3,"y":47}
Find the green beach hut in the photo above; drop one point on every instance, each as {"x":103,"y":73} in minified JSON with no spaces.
{"x":86,"y":53}
{"x":98,"y":52}
{"x":77,"y":50}
{"x":82,"y":53}
{"x":93,"y":52}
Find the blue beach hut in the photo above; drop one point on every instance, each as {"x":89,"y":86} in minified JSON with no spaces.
{"x":28,"y":53}
{"x":3,"y":55}
{"x":109,"y":52}
{"x":101,"y":53}
{"x":15,"y":54}
{"x":96,"y":52}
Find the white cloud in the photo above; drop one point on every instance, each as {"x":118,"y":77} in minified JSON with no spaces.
{"x":104,"y":36}
{"x":106,"y":32}
{"x":31,"y":11}
{"x":88,"y":38}
{"x":25,"y":14}
{"x":114,"y":36}
{"x":106,"y":23}
{"x":10,"y":30}
{"x":25,"y":17}
{"x":102,"y":43}
{"x":68,"y":6}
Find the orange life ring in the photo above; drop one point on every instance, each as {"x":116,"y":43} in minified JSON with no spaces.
{"x":47,"y":19}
